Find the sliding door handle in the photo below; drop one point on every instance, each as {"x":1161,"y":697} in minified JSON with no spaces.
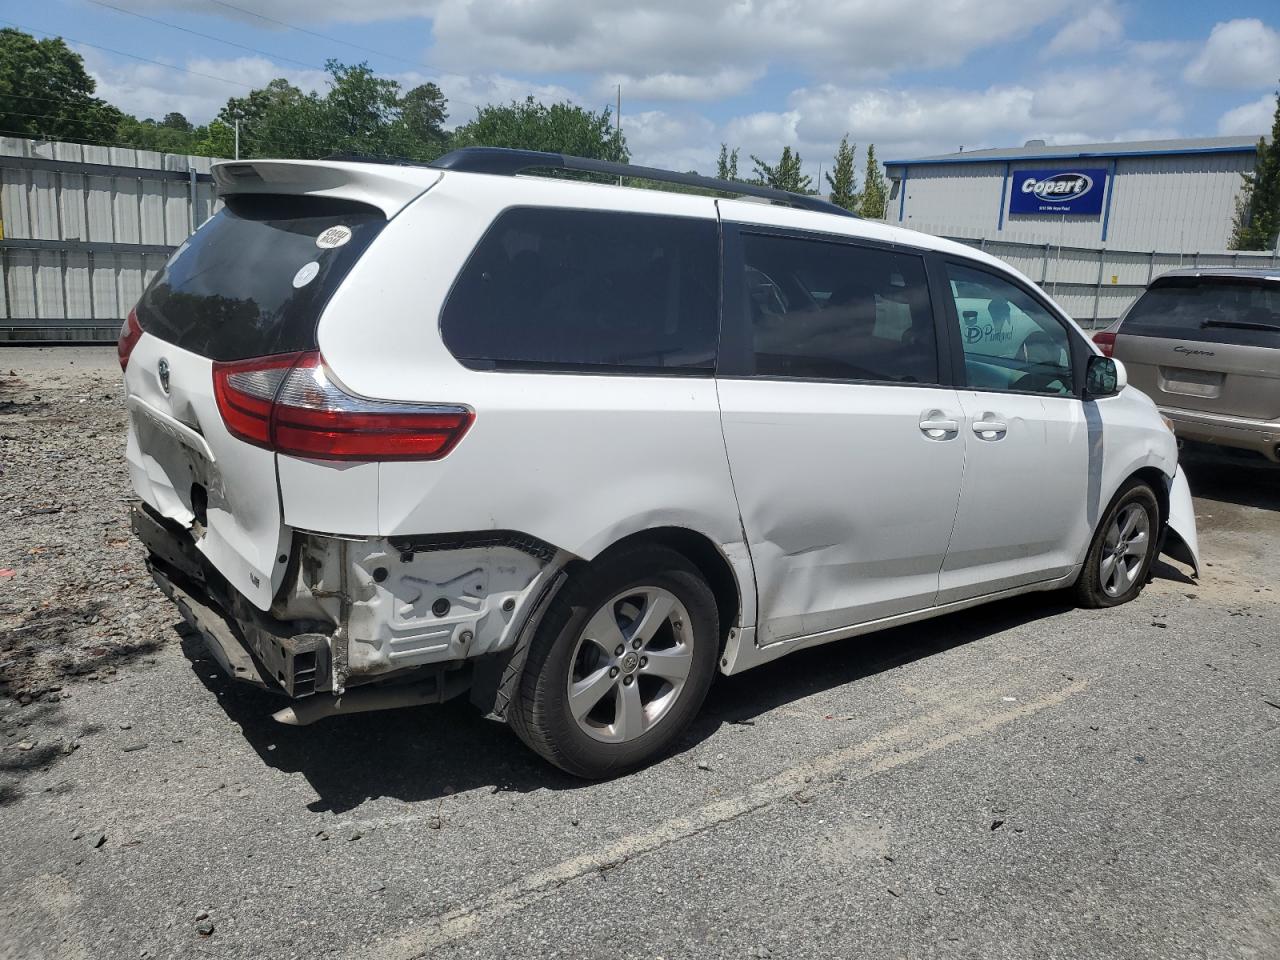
{"x":990,"y":427}
{"x":937,"y":425}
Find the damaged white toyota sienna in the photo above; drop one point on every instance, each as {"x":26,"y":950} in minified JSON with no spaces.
{"x":401,"y":433}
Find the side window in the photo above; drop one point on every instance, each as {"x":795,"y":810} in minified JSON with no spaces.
{"x":583,"y":289}
{"x":1010,"y":341}
{"x":833,"y":311}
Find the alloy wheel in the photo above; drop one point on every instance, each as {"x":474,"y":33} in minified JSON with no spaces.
{"x":1125,"y":549}
{"x":630,"y":664}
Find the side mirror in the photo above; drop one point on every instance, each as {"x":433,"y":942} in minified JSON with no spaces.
{"x":1105,"y":377}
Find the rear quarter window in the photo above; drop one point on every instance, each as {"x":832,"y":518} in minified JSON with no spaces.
{"x":252,"y":281}
{"x":586,"y":290}
{"x":1243,"y":311}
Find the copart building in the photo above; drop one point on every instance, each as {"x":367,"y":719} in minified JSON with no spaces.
{"x":1173,"y":196}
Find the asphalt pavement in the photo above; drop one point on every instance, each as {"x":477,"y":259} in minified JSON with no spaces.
{"x":1023,"y":780}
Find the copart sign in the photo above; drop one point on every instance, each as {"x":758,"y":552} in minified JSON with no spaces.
{"x":1074,"y":190}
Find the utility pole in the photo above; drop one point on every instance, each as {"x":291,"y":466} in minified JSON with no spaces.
{"x":237,"y":138}
{"x":617,"y":129}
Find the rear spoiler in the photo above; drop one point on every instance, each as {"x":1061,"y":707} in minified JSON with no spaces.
{"x":389,"y":188}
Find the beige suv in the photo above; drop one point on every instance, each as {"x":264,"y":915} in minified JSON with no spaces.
{"x":1205,"y":345}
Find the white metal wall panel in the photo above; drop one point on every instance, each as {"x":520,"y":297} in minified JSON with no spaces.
{"x":1176,"y":203}
{"x":76,"y":285}
{"x":961,"y":196}
{"x":104,"y":290}
{"x":20,"y":282}
{"x":48,"y":279}
{"x":1179,"y":203}
{"x":82,"y":287}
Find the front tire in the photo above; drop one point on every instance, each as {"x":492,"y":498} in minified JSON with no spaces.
{"x":620,"y":664}
{"x":1123,"y":549}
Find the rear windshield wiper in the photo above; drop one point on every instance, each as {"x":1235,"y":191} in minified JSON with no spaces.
{"x":1240,"y":325}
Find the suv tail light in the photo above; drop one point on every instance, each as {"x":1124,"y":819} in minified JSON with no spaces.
{"x":1106,"y":341}
{"x":288,"y":404}
{"x":130,"y":334}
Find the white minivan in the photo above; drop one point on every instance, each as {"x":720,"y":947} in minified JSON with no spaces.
{"x":404,"y":432}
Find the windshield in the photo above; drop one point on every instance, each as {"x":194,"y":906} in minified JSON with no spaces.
{"x":1238,"y":310}
{"x":253,"y":279}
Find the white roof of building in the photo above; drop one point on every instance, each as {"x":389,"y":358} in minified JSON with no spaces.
{"x":1075,"y":150}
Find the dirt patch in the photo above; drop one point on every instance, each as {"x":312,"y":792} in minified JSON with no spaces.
{"x":76,"y":602}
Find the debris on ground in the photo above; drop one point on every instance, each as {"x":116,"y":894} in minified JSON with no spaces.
{"x":77,"y":601}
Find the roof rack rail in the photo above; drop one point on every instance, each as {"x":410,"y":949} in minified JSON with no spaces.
{"x":502,"y":161}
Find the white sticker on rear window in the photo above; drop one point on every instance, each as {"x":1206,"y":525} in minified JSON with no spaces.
{"x":333,"y":237}
{"x":306,"y":274}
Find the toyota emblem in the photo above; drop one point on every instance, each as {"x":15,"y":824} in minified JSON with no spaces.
{"x":163,"y":370}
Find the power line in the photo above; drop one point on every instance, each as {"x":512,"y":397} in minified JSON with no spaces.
{"x":28,"y":135}
{"x":134,"y":56}
{"x":86,"y":101}
{"x":62,"y":119}
{"x":321,"y":36}
{"x":206,"y":36}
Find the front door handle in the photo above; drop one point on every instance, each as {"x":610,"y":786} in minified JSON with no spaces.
{"x":990,"y":427}
{"x":937,"y":425}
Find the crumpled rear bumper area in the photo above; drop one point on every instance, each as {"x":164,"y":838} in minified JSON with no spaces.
{"x":248,"y":645}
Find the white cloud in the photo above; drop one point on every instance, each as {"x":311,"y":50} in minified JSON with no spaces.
{"x":1159,"y":51}
{"x":675,"y":141}
{"x":1063,"y":107}
{"x":310,"y":14}
{"x":677,"y":47}
{"x":1238,"y":54}
{"x":150,"y":90}
{"x":1249,"y":119}
{"x":1100,"y":26}
{"x":680,"y":86}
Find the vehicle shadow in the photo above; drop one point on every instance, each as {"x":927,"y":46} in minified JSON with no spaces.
{"x":423,"y":754}
{"x":1244,"y":484}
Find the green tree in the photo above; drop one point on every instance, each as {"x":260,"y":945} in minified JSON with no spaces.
{"x":842,"y":179}
{"x":727,"y":164}
{"x":150,"y":135}
{"x":218,"y":139}
{"x":277,"y":120}
{"x":424,"y":110}
{"x":361,"y":111}
{"x":875,"y":188}
{"x":45,"y":92}
{"x":559,"y":128}
{"x":1257,"y":219}
{"x":783,"y":175}
{"x":176,"y":121}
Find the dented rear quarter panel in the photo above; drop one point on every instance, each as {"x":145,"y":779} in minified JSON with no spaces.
{"x":578,"y":461}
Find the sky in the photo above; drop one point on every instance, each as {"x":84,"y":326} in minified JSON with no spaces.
{"x":915,"y":77}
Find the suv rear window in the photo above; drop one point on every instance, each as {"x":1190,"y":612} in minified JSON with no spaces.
{"x":243,"y":285}
{"x":1238,"y":310}
{"x":588,"y":290}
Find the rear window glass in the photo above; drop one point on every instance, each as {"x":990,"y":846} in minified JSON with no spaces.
{"x":588,"y":290}
{"x":252,"y":280}
{"x":1236,"y":310}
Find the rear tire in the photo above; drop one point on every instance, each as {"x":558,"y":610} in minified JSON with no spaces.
{"x":594,"y":711}
{"x":1124,"y":546}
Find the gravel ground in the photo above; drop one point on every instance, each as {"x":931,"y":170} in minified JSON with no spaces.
{"x":1024,"y":780}
{"x":75,"y":599}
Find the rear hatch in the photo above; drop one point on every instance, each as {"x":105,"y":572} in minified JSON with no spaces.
{"x":1208,"y":343}
{"x":250,"y":283}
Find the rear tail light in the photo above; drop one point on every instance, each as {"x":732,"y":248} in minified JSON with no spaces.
{"x":130,"y":334}
{"x":290,"y":405}
{"x":1106,"y":341}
